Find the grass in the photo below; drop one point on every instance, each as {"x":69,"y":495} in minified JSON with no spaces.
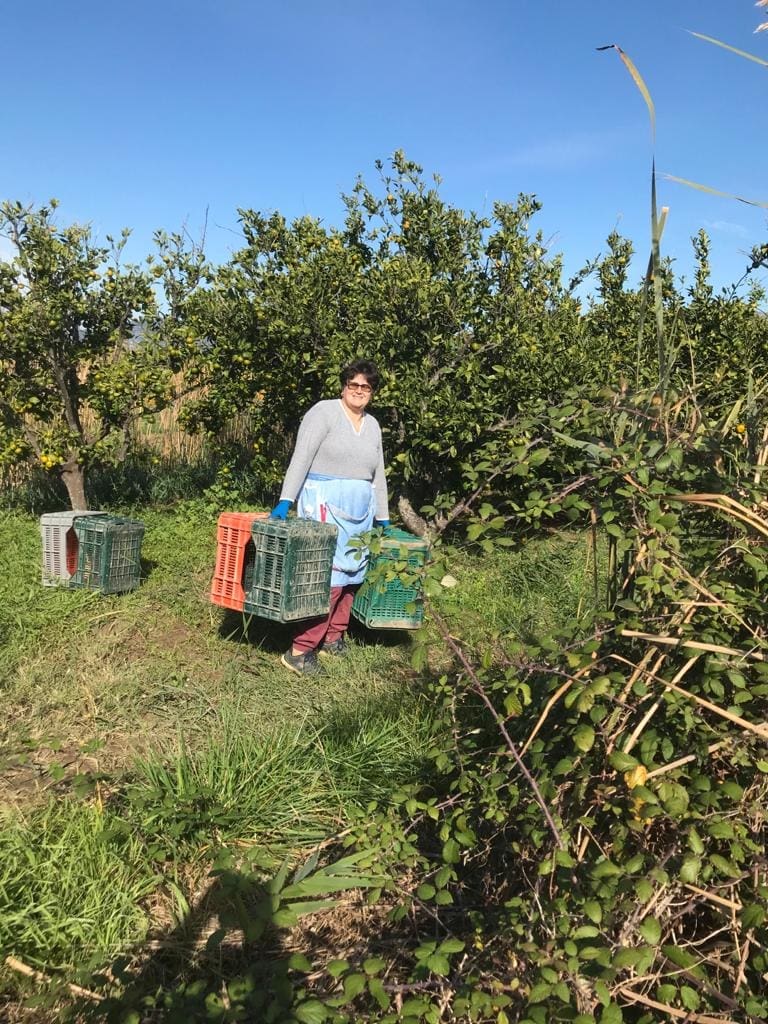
{"x":284,"y":789}
{"x":180,"y":719}
{"x":72,"y":886}
{"x":525,"y":594}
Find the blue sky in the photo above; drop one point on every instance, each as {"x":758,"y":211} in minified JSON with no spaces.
{"x":148,"y":114}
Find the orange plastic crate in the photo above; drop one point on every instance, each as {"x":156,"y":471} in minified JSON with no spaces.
{"x":234,"y":546}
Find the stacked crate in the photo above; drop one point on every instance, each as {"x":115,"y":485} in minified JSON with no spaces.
{"x":233,"y":573}
{"x":293,"y":561}
{"x":60,"y":546}
{"x":109,"y":553}
{"x":392,"y":604}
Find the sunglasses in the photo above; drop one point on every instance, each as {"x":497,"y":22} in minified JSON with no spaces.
{"x":354,"y":386}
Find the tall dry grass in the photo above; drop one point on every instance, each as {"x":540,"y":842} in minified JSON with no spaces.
{"x":158,"y":435}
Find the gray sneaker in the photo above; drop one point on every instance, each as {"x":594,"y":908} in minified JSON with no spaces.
{"x":303,"y":664}
{"x":335,"y":647}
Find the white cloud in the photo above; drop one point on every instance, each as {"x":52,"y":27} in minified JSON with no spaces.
{"x":727,"y":227}
{"x":577,"y":149}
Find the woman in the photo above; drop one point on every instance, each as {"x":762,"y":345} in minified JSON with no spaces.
{"x":337,"y":474}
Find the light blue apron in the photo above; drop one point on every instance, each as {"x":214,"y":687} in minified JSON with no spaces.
{"x":348,"y":505}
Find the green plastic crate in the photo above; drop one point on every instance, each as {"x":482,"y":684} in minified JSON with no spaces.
{"x":392,"y":605}
{"x":292,"y":565}
{"x":109,"y":554}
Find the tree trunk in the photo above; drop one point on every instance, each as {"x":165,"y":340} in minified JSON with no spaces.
{"x":73,"y":475}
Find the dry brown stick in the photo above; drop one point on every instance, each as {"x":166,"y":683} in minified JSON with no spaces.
{"x":686,"y":1015}
{"x":716,"y":601}
{"x":714,"y":898}
{"x":550,"y":704}
{"x":725,"y":504}
{"x":683,"y":760}
{"x":741,"y":977}
{"x":680,"y":619}
{"x":30,"y":972}
{"x":697,"y":645}
{"x":759,"y":730}
{"x":638,"y":671}
{"x":637,"y":731}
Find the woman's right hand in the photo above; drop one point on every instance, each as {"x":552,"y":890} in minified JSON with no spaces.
{"x":280,"y":511}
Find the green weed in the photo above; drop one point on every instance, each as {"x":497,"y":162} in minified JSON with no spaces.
{"x":72,"y":881}
{"x":285,"y":789}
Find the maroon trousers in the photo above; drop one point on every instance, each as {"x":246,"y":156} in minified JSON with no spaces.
{"x":332,"y":626}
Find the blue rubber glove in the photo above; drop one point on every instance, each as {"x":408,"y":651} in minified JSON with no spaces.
{"x":280,"y":511}
{"x":382,"y":524}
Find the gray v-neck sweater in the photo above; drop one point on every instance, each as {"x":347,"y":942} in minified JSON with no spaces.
{"x":327,"y":443}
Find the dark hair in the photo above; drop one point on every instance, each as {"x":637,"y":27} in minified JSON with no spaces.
{"x":361,"y":366}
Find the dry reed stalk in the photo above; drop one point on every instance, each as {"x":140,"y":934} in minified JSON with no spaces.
{"x":714,"y":601}
{"x":762,"y":455}
{"x":30,"y":972}
{"x":697,"y":645}
{"x":759,"y":730}
{"x":726,"y":505}
{"x":679,"y":619}
{"x":687,"y":1015}
{"x":637,"y":731}
{"x":683,"y":760}
{"x":551,"y":703}
{"x":714,"y":898}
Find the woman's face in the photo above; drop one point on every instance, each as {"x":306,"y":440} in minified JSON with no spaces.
{"x":357,"y":393}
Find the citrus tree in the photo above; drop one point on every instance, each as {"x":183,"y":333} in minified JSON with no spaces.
{"x":465,"y":315}
{"x":85,"y":351}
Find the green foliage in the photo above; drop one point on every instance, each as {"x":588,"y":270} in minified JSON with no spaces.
{"x":466,"y":317}
{"x":285,"y":789}
{"x":55,"y":909}
{"x":84,"y":350}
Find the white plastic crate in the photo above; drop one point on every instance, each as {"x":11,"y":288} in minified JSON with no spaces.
{"x":60,"y":546}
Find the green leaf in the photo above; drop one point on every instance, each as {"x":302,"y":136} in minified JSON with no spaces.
{"x":584,"y":737}
{"x":689,"y":997}
{"x":725,"y":867}
{"x":611,"y":1014}
{"x":512,"y":705}
{"x":322,"y":884}
{"x":752,"y":916}
{"x":622,"y":762}
{"x":539,"y":992}
{"x":626,"y":958}
{"x":376,"y":988}
{"x":594,"y":911}
{"x":438,"y":964}
{"x":374,"y":965}
{"x":337,"y":967}
{"x":650,"y":930}
{"x":298,"y":962}
{"x":689,"y":869}
{"x":311,"y":1012}
{"x":354,"y":985}
{"x":451,"y":851}
{"x":451,"y":946}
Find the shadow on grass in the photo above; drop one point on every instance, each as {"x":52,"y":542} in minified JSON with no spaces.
{"x":148,"y":565}
{"x":276,"y":637}
{"x":232,"y":957}
{"x":271,"y":637}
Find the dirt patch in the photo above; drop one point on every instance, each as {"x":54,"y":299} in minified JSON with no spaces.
{"x":29,"y":775}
